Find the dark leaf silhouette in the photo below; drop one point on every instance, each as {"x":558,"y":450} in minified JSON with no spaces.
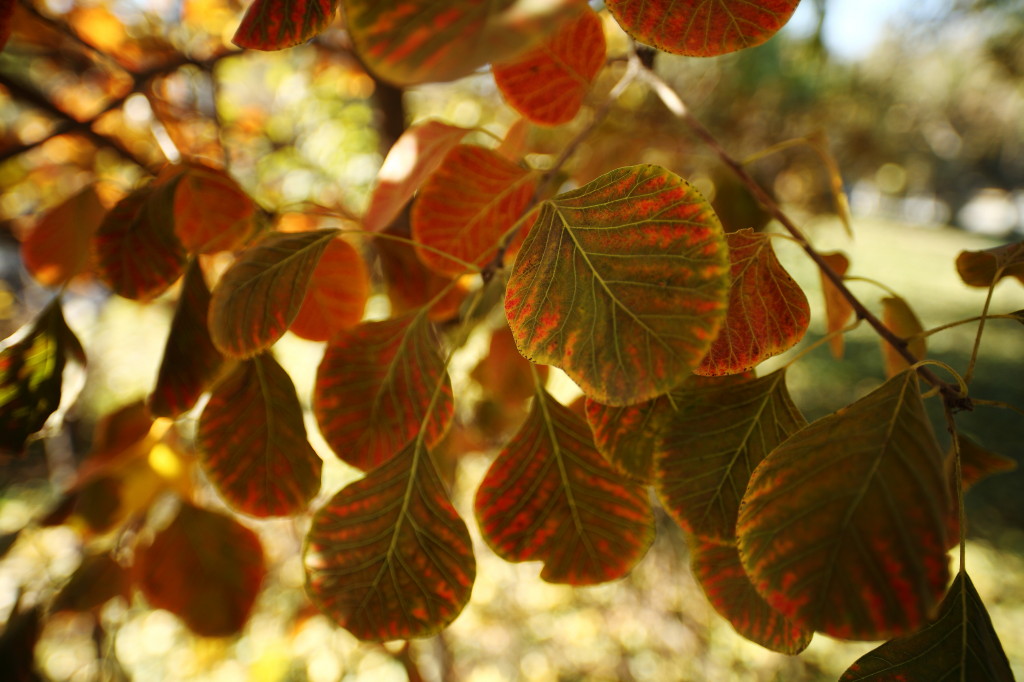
{"x":277,"y":24}
{"x":95,"y":582}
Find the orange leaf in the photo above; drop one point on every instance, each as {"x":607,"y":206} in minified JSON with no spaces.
{"x":503,"y":373}
{"x":837,"y":309}
{"x":412,"y":285}
{"x":277,"y":24}
{"x":211,"y":212}
{"x":898,"y":317}
{"x":985,"y":268}
{"x":626,"y":435}
{"x":547,"y":85}
{"x":336,"y":295}
{"x":57,"y":248}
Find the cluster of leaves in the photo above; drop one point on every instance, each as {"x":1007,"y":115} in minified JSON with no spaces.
{"x":628,"y":283}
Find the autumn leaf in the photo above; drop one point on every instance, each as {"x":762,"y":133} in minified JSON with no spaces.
{"x":277,"y":24}
{"x":697,"y":28}
{"x":622,"y":284}
{"x":388,"y":557}
{"x":57,"y":248}
{"x":626,"y":435}
{"x":211,"y":212}
{"x":897,"y":316}
{"x":411,"y":285}
{"x":768,"y":311}
{"x":838,"y":310}
{"x":336,"y":295}
{"x":976,"y":464}
{"x":504,"y":375}
{"x":6,"y":20}
{"x":96,"y":581}
{"x":985,"y":268}
{"x":842,"y":528}
{"x":550,"y":496}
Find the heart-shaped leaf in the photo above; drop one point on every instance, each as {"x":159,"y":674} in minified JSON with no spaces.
{"x":621,"y":283}
{"x":897,"y":316}
{"x":261,"y":293}
{"x":253,"y":441}
{"x":985,"y":268}
{"x":336,"y":295}
{"x":842,"y":528}
{"x":550,"y":496}
{"x":838,"y":310}
{"x":698,"y":28}
{"x":375,"y":386}
{"x":211,"y":212}
{"x":277,"y":24}
{"x":388,"y":557}
{"x":57,"y":248}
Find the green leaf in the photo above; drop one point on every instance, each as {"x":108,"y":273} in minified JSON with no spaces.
{"x":261,"y":293}
{"x":712,"y":442}
{"x":621,"y":283}
{"x":374,"y":389}
{"x":253,"y":441}
{"x":960,"y":644}
{"x":277,"y":24}
{"x":842,"y":528}
{"x":388,"y":557}
{"x":550,"y":496}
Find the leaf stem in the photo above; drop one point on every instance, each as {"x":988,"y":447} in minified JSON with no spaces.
{"x":981,"y":324}
{"x":957,"y":323}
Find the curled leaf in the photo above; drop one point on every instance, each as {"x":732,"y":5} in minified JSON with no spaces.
{"x":985,"y":268}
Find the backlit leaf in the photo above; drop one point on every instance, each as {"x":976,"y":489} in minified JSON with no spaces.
{"x":261,"y":293}
{"x":57,"y":248}
{"x":712,"y":442}
{"x":411,"y":285}
{"x":191,"y":362}
{"x":253,"y":441}
{"x":983,"y":268}
{"x":838,"y":310}
{"x":768,"y":311}
{"x":374,"y":388}
{"x":626,"y":435}
{"x":547,"y":85}
{"x":621,"y":283}
{"x":211,"y":212}
{"x":842,"y":528}
{"x":464,"y":208}
{"x":504,"y":374}
{"x":388,"y":557}
{"x":418,"y":41}
{"x":897,"y":316}
{"x":720,"y":574}
{"x":205,"y":568}
{"x":336,"y":295}
{"x":413,"y":157}
{"x":960,"y":644}
{"x":550,"y":496}
{"x":277,"y":24}
{"x":698,"y":28}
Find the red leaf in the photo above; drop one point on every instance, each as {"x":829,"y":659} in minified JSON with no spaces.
{"x":277,"y":24}
{"x":211,"y":212}
{"x":838,"y":310}
{"x":626,"y":435}
{"x":768,"y":311}
{"x":205,"y":568}
{"x":504,"y":374}
{"x":897,"y":316}
{"x":985,"y":268}
{"x":411,"y":285}
{"x":547,"y":85}
{"x":465,"y":207}
{"x":6,"y":20}
{"x":976,"y":464}
{"x":550,"y":496}
{"x":336,"y":295}
{"x":374,"y":387}
{"x":702,"y":29}
{"x":253,"y":441}
{"x":57,"y":248}
{"x":388,"y":557}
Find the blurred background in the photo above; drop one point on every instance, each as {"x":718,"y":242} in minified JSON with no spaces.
{"x":919,"y":104}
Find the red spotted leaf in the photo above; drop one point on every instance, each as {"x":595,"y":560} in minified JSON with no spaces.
{"x":550,"y":496}
{"x":376,"y":384}
{"x":843,"y":526}
{"x":768,"y":311}
{"x":985,"y":268}
{"x":191,"y":362}
{"x":698,"y":28}
{"x":277,"y":24}
{"x":57,"y":248}
{"x":336,"y":295}
{"x":252,"y":441}
{"x":548,"y":84}
{"x":211,"y":212}
{"x":838,"y":310}
{"x":464,"y":208}
{"x":260,"y":294}
{"x":712,"y":442}
{"x":626,"y":435}
{"x":897,"y":316}
{"x":622,"y":284}
{"x":413,"y":157}
{"x":960,"y":644}
{"x":388,"y":557}
{"x":720,"y":574}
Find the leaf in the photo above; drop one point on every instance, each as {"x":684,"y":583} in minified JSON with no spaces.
{"x":336,"y":295}
{"x":190,"y":362}
{"x":57,"y":248}
{"x":712,"y":442}
{"x":411,"y":285}
{"x":413,"y":157}
{"x":960,"y":644}
{"x":95,"y":582}
{"x":897,"y":316}
{"x":621,"y":283}
{"x":138,"y":254}
{"x":768,"y":311}
{"x":388,"y":557}
{"x":838,"y":310}
{"x":548,"y":84}
{"x":842,"y":528}
{"x":985,"y":268}
{"x":6,"y":21}
{"x":504,"y":375}
{"x":31,"y":374}
{"x":697,"y":28}
{"x":720,"y":574}
{"x":205,"y":568}
{"x":375,"y":386}
{"x":407,"y":42}
{"x":211,"y":212}
{"x":550,"y":496}
{"x":277,"y":24}
{"x":260,"y":294}
{"x":252,"y":441}
{"x":976,"y":464}
{"x":625,"y":435}
{"x":464,"y":208}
